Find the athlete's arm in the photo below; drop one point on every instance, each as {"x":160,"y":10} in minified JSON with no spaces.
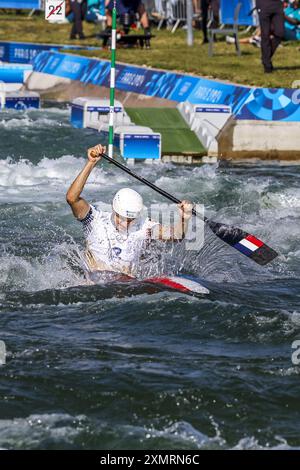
{"x":178,"y":231}
{"x":80,"y":206}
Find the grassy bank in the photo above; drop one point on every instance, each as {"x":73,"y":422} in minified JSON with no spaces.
{"x":169,"y":51}
{"x":177,"y":137}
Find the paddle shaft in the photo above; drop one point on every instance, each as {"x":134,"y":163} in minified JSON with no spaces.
{"x":148,"y":183}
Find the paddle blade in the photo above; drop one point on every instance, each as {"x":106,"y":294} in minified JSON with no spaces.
{"x":244,"y":242}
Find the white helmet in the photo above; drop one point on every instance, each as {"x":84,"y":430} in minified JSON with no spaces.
{"x":128,"y":203}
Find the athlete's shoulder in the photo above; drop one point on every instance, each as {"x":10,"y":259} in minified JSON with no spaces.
{"x":94,"y":214}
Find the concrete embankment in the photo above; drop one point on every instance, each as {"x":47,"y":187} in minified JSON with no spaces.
{"x":267,"y":140}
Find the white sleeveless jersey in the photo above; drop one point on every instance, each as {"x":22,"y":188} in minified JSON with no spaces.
{"x":116,"y":249}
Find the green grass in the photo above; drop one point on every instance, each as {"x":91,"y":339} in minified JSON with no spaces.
{"x":177,"y":138}
{"x":167,"y":118}
{"x":169,"y":51}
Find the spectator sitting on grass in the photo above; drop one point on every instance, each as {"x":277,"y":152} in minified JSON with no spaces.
{"x":292,"y":22}
{"x":291,"y":27}
{"x":95,"y":11}
{"x":255,"y":40}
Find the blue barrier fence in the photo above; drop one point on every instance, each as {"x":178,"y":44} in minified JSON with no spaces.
{"x":246,"y":103}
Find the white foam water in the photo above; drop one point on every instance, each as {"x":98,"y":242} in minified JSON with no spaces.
{"x":76,"y":346}
{"x":62,"y":429}
{"x":48,"y":180}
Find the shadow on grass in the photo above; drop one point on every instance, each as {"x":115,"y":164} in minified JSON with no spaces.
{"x":228,"y":55}
{"x":288,"y":67}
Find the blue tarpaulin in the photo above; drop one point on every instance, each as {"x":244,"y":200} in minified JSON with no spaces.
{"x":21,"y":4}
{"x":246,"y":18}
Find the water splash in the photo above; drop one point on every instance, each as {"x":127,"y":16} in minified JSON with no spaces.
{"x":63,"y":266}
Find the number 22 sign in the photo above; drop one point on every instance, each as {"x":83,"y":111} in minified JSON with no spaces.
{"x":55,"y":10}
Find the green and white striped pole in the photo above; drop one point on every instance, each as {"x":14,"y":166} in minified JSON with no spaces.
{"x":112,"y":81}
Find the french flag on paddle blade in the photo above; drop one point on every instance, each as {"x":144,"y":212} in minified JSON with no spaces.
{"x":249,"y":245}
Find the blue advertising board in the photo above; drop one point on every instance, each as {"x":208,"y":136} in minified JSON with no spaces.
{"x":149,"y":82}
{"x":137,"y":146}
{"x":21,"y":53}
{"x":22,"y":102}
{"x":77,"y":116}
{"x":203,"y":109}
{"x":141,"y":146}
{"x":213,"y":92}
{"x":25,"y":52}
{"x":271,"y":104}
{"x":14,"y":73}
{"x":245,"y":102}
{"x":21,"y":4}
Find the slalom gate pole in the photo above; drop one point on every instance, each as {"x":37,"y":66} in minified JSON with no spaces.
{"x":112,"y":81}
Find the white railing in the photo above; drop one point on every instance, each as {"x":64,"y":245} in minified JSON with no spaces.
{"x":173,"y":12}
